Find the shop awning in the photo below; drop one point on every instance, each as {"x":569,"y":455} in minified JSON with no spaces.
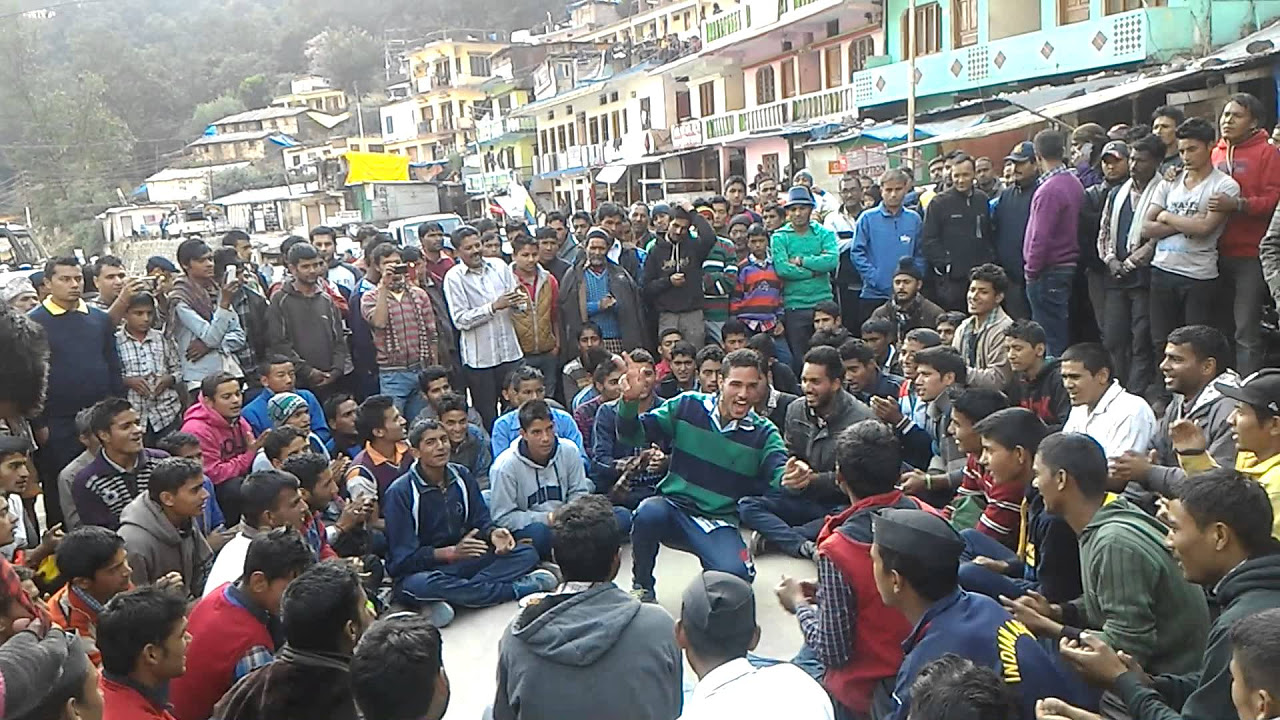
{"x":611,"y":173}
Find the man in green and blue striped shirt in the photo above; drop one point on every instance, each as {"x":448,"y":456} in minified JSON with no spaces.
{"x":721,"y":451}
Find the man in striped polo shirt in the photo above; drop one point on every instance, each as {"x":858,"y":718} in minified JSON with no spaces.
{"x":721,"y":451}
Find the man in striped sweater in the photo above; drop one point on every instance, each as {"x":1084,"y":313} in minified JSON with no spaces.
{"x":721,"y":451}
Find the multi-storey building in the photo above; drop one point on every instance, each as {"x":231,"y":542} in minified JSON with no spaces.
{"x":313,"y":93}
{"x":445,"y":78}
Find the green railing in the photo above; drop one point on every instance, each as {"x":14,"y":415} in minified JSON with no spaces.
{"x":724,"y":26}
{"x":719,"y":127}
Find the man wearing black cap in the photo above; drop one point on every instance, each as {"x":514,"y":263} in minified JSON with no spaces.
{"x":672,"y":275}
{"x":1256,"y":423}
{"x":1009,"y":217}
{"x":1115,"y":172}
{"x":914,"y":558}
{"x":716,"y":630}
{"x":907,"y":309}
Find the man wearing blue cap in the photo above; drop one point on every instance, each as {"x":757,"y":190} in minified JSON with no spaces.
{"x":1010,"y":211}
{"x":804,"y":255}
{"x":914,"y":556}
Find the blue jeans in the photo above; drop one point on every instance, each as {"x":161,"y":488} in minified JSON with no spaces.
{"x":540,"y":534}
{"x":475,"y":583}
{"x":1050,"y":298}
{"x":658,"y":521}
{"x":975,"y":578}
{"x":402,"y":386}
{"x":782,"y":351}
{"x":785,"y":520}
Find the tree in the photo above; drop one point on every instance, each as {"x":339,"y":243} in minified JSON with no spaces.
{"x":246,"y":178}
{"x":214,"y":110}
{"x":350,"y":57}
{"x":255,"y":91}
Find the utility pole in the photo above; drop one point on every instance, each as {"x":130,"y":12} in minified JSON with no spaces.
{"x":360,"y":115}
{"x":911,"y":81}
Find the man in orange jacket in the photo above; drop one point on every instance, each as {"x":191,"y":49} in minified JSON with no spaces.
{"x":93,"y":561}
{"x":143,"y":638}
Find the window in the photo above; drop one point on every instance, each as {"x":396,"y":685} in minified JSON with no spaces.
{"x":833,"y":28}
{"x":965,"y":16}
{"x":617,"y":129}
{"x":613,"y":96}
{"x":928,"y":29}
{"x":604,"y":128}
{"x":1119,"y":6}
{"x":391,"y":126}
{"x":765,"y":90}
{"x":542,"y":143}
{"x":377,"y":148}
{"x":504,"y":103}
{"x":788,"y":77}
{"x":683,"y":111}
{"x":479,"y":65}
{"x":646,"y":114}
{"x":707,"y":99}
{"x":1073,"y":11}
{"x":859,"y":50}
{"x":560,"y":137}
{"x":457,"y":64}
{"x":832,"y":57}
{"x":446,"y":116}
{"x":594,"y":126}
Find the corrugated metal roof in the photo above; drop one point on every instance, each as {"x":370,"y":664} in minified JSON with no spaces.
{"x":192,"y":173}
{"x":263,"y":195}
{"x":232,"y":137}
{"x":267,"y":113}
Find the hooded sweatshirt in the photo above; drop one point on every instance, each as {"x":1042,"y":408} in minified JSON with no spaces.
{"x":225,"y":447}
{"x":1250,"y":587}
{"x":526,"y":492}
{"x":1135,"y":597}
{"x":1255,"y":165}
{"x":156,"y":547}
{"x":1044,"y":395}
{"x":1211,"y":412}
{"x":598,"y":653}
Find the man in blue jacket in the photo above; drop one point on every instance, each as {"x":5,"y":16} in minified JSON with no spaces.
{"x":885,"y":234}
{"x":527,"y":384}
{"x":913,"y":559}
{"x":444,"y":548}
{"x":277,"y":375}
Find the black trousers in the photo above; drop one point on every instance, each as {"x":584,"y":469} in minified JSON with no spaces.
{"x":485,"y":385}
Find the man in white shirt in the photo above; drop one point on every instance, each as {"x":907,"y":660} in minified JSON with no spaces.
{"x":482,"y":293}
{"x":716,"y":630}
{"x":1100,"y":408}
{"x":272,"y":499}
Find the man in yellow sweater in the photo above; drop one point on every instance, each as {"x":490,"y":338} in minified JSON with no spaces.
{"x":1256,"y":422}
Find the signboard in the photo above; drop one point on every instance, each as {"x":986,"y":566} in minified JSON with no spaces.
{"x":687,"y":135}
{"x":839,"y":166}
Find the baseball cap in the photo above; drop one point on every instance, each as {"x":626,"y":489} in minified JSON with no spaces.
{"x":1024,"y":151}
{"x":720,"y":607}
{"x":1116,"y":147}
{"x":1261,"y":390}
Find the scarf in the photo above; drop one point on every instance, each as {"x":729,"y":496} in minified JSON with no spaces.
{"x":299,"y":684}
{"x":200,"y":299}
{"x":425,"y":318}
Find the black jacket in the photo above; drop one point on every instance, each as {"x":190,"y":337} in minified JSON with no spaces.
{"x":1057,"y":553}
{"x":957,"y":233}
{"x":1095,"y":197}
{"x":573,"y":308}
{"x":1045,"y":395}
{"x":814,"y":442}
{"x":667,"y":259}
{"x":1009,"y":215}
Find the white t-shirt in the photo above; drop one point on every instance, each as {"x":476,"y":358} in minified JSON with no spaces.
{"x":738,"y":690}
{"x":14,"y":502}
{"x":229,"y":565}
{"x":1196,"y":258}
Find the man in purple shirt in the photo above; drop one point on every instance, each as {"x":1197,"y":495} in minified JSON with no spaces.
{"x":1050,"y":248}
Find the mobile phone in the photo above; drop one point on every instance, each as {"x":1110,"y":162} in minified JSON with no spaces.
{"x":400,"y":269}
{"x":151,"y":281}
{"x":232,"y":274}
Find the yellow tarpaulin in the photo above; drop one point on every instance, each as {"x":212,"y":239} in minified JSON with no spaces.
{"x":364,"y":167}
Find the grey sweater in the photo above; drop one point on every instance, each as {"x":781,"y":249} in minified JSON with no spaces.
{"x":598,"y":654}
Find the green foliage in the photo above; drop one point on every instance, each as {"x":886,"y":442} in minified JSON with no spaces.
{"x":255,"y":91}
{"x":216,"y":109}
{"x":350,"y":57}
{"x":246,"y":178}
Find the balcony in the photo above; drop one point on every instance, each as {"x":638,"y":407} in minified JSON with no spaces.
{"x":834,"y":104}
{"x":491,"y":130}
{"x":1122,"y":38}
{"x":750,"y":17}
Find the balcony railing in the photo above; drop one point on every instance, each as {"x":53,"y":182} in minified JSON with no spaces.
{"x":1100,"y":42}
{"x":726,"y":24}
{"x":490,"y":129}
{"x":723,"y":27}
{"x":836,"y":103}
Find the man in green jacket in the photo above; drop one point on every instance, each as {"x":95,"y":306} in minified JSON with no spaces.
{"x":804,"y":256}
{"x":1135,"y":597}
{"x":1220,"y":531}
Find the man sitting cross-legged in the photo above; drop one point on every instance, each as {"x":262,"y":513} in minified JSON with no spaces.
{"x":721,"y":451}
{"x":444,"y":547}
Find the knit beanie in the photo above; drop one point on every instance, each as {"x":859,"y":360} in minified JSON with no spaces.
{"x":282,"y":406}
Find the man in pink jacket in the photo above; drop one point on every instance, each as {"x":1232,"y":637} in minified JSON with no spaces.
{"x":227,"y":444}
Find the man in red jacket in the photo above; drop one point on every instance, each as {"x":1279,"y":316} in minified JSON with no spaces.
{"x":236,"y":628}
{"x":142,"y":635}
{"x":847,"y":627}
{"x":1244,"y":153}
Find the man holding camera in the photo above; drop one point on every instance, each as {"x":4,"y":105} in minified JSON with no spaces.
{"x":404,"y":330}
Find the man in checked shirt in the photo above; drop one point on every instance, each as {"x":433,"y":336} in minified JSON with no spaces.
{"x":847,"y":629}
{"x":150,"y":366}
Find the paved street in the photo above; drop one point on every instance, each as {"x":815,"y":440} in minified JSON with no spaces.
{"x":471,"y":641}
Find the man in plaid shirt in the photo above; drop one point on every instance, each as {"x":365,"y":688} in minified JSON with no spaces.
{"x":404,"y":330}
{"x":150,"y":367}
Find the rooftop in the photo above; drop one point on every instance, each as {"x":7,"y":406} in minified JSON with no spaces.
{"x":267,"y":113}
{"x":269,"y":194}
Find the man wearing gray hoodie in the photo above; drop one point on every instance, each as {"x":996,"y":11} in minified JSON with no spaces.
{"x":535,"y":477}
{"x":589,"y":649}
{"x":159,"y":530}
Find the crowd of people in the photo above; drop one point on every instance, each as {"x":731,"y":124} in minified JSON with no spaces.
{"x":266,"y":489}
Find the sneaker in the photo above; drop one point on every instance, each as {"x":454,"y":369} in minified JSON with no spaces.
{"x":644,"y":595}
{"x":535,"y":582}
{"x":554,"y":569}
{"x":440,"y":613}
{"x":809,"y":550}
{"x":759,"y":545}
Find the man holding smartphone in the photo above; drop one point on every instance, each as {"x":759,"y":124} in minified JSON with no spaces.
{"x":305,"y":325}
{"x":404,"y":330}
